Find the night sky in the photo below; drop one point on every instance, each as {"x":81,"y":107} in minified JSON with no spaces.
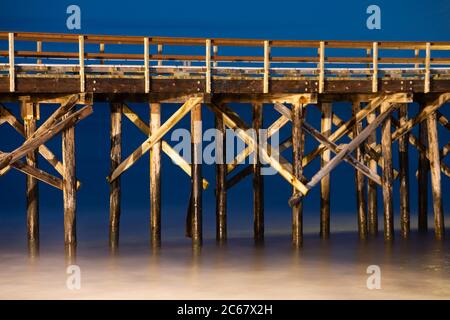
{"x":340,"y":20}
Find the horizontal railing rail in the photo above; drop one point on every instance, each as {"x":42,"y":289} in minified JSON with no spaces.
{"x":365,"y":57}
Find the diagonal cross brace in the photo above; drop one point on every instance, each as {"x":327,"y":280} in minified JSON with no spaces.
{"x":155,"y":137}
{"x":350,"y":147}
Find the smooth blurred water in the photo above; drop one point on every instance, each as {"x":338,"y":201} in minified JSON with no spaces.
{"x":418,"y":268}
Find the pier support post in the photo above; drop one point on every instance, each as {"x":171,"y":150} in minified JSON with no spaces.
{"x":114,"y":188}
{"x":196,"y":158}
{"x":422,"y":177}
{"x":221,"y":171}
{"x":404,"y":174}
{"x":387,"y":178}
{"x":359,"y":180}
{"x":372,"y":205}
{"x":155,"y":177}
{"x":325,"y":182}
{"x":29,"y":115}
{"x":435,"y":170}
{"x":69,"y":190}
{"x":298,"y":142}
{"x":258,"y":180}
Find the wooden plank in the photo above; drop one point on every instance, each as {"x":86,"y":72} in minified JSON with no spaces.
{"x":375,"y":67}
{"x":266,"y":66}
{"x":435,"y":170}
{"x":35,"y":140}
{"x":361,"y":201}
{"x":12,"y":75}
{"x":387,"y":177}
{"x":298,"y":145}
{"x":155,"y":137}
{"x":208,"y":66}
{"x":81,"y":63}
{"x":155,"y":177}
{"x":221,"y":187}
{"x":427,"y":68}
{"x":146,"y":65}
{"x":348,"y":148}
{"x":258,"y":179}
{"x":114,"y":187}
{"x":404,"y":174}
{"x":321,"y":66}
{"x":372,"y":198}
{"x":326,"y":124}
{"x":196,"y":191}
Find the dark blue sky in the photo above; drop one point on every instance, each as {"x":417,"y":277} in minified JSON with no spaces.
{"x":345,"y":20}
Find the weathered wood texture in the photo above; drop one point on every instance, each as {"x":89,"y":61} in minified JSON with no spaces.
{"x":221,"y":188}
{"x":388,"y":201}
{"x":325,"y":183}
{"x":155,"y":177}
{"x":196,"y":191}
{"x":298,"y":145}
{"x":422,"y":178}
{"x":361,"y":202}
{"x":404,"y":174}
{"x":435,"y":170}
{"x":258,"y":179}
{"x":372,"y":201}
{"x":114,"y":188}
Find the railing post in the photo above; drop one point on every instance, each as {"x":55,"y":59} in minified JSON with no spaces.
{"x":159,"y":50}
{"x":102,"y":50}
{"x":208,"y":65}
{"x":39,"y":49}
{"x":81,"y":62}
{"x":12,"y":75}
{"x":266,"y":66}
{"x":146,"y":66}
{"x":427,"y":68}
{"x":215,"y":52}
{"x":321,"y":66}
{"x":375,"y":68}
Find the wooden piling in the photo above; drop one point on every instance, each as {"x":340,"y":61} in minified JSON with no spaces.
{"x":69,"y":190}
{"x":325,"y":182}
{"x":114,"y":187}
{"x":196,"y":158}
{"x":298,"y":142}
{"x":29,"y":116}
{"x":359,"y":180}
{"x":404,"y":174}
{"x":372,"y":201}
{"x":221,"y":190}
{"x":258,"y":180}
{"x":422,"y":178}
{"x":387,"y":178}
{"x":155,"y":177}
{"x":435,"y":170}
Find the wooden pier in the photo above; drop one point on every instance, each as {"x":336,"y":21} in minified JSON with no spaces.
{"x":379,"y":79}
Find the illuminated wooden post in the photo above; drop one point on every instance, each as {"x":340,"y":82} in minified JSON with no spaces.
{"x":422,"y":178}
{"x":325,"y":182}
{"x":30,"y":114}
{"x":435,"y":170}
{"x":196,"y":158}
{"x":114,"y":187}
{"x":298,"y":143}
{"x":221,"y":191}
{"x":404,"y":174}
{"x":387,"y":178}
{"x":359,"y":180}
{"x":372,"y":202}
{"x":258,"y":180}
{"x":155,"y":177}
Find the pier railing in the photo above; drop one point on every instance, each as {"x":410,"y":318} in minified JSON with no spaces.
{"x":71,"y":55}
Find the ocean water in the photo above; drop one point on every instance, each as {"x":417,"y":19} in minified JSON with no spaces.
{"x":418,"y":268}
